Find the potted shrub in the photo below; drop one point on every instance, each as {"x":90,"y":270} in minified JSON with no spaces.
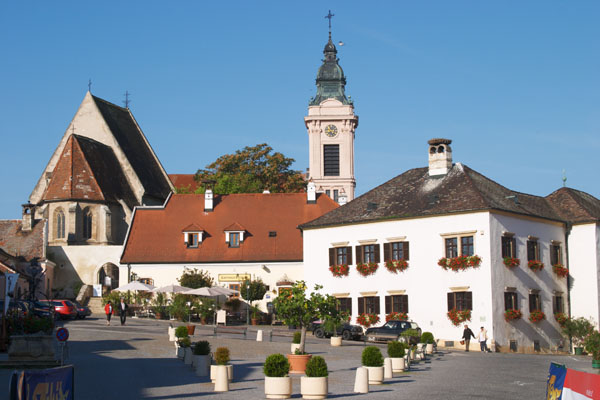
{"x":410,"y":336}
{"x":396,"y":353}
{"x":222,"y":361}
{"x":31,"y":337}
{"x":296,"y":342}
{"x":428,"y":340}
{"x":202,"y":358}
{"x":278,"y":385}
{"x":186,"y":346}
{"x":181,"y":332}
{"x":592,"y":345}
{"x":578,"y":329}
{"x":158,"y":305}
{"x":373,"y":361}
{"x":314,"y":384}
{"x":252,"y":291}
{"x":332,"y":317}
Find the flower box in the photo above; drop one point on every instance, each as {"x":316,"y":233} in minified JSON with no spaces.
{"x":396,"y":316}
{"x":460,"y":263}
{"x":366,"y":269}
{"x":510,"y":315}
{"x":396,"y":266}
{"x":560,"y":270}
{"x":339,"y":270}
{"x":536,"y":316}
{"x":561,"y":318}
{"x":457,"y":317}
{"x":535,"y":265}
{"x":367,"y":320}
{"x":511,"y":262}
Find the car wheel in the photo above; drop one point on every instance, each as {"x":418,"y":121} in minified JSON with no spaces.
{"x":319,"y":333}
{"x":346,"y":335}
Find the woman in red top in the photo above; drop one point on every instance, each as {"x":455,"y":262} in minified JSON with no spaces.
{"x":108,"y":309}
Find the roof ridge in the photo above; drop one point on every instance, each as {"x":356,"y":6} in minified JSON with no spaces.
{"x":109,"y":103}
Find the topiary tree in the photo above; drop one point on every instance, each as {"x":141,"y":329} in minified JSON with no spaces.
{"x":195,"y":278}
{"x":222,"y":356}
{"x":371,"y":357}
{"x":276,"y":365}
{"x":427,"y":337}
{"x":316,"y":367}
{"x":396,"y":349}
{"x":202,"y":348}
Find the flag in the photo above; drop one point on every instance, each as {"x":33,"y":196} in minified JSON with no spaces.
{"x":556,"y":379}
{"x":581,"y":386}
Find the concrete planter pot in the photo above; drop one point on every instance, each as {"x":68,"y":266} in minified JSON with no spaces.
{"x":34,"y":347}
{"x":213,"y":372}
{"x":187,"y":355}
{"x":314,"y":388}
{"x":294,"y":347}
{"x":278,"y":388}
{"x":336,"y":341}
{"x":298,"y":362}
{"x":429,"y":348}
{"x":202,"y":364}
{"x":179,"y":351}
{"x":375,"y":375}
{"x":172,"y":337}
{"x":398,"y":364}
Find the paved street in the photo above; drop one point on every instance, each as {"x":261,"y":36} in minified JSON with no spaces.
{"x":138,"y":362}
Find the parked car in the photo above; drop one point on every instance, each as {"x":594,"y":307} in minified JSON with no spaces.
{"x":17,"y":306}
{"x":346,"y":331}
{"x":63,"y":308}
{"x":392,"y":330}
{"x":82,"y":311}
{"x":42,"y":309}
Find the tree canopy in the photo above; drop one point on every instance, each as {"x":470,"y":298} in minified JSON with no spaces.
{"x":251,"y":170}
{"x":195,"y":278}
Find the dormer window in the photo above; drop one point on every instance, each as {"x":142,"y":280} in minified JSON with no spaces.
{"x":234,"y":235}
{"x":192,"y":239}
{"x":192,"y":236}
{"x":234,"y":239}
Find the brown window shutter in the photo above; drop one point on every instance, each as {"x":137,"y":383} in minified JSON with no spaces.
{"x":388,"y":304}
{"x":377,"y":258}
{"x":332,"y":256}
{"x":450,"y":301}
{"x":387,"y":251}
{"x":404,"y":303}
{"x":507,"y":305}
{"x":361,"y":305}
{"x":349,"y":305}
{"x":377,"y":309}
{"x":349,"y":255}
{"x":359,"y":254}
{"x":468,"y":300}
{"x":405,"y":250}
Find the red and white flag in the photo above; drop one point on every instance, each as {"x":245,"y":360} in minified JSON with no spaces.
{"x":581,"y":386}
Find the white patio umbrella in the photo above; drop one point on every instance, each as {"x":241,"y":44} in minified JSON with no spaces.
{"x":135,"y":286}
{"x":171,"y":289}
{"x":211,"y":291}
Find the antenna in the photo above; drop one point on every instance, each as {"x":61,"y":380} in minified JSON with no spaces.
{"x":127,"y":101}
{"x":564,"y":178}
{"x":90,"y":85}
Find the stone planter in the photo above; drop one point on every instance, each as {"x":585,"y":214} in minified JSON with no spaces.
{"x":398,"y":364}
{"x":313,"y":388}
{"x":179,"y":351}
{"x":187,"y":355}
{"x":298,"y":362}
{"x":375,"y":375}
{"x":336,"y":341}
{"x":294,"y":347}
{"x":278,"y":388}
{"x":34,"y":347}
{"x":201,"y":364}
{"x":172,"y":337}
{"x":429,"y":348}
{"x":578,"y":351}
{"x":213,"y":372}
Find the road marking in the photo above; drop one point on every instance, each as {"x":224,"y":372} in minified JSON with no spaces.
{"x":519,"y":383}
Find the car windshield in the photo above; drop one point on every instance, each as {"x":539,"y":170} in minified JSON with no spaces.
{"x":57,"y":304}
{"x":390,"y":325}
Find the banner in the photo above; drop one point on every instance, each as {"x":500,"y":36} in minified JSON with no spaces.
{"x":11,"y":283}
{"x":581,"y":386}
{"x":45,"y":384}
{"x":556,"y":380}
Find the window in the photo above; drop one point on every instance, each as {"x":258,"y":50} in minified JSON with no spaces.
{"x":87,"y":224}
{"x":535,"y":303}
{"x":367,"y":253}
{"x":533,"y":250}
{"x":395,"y":251}
{"x":466,"y":245}
{"x":147,"y":281}
{"x":335,"y":195}
{"x":451,"y":248}
{"x":460,"y":300}
{"x":192,"y":240}
{"x":60,"y":224}
{"x":459,"y":244}
{"x":558,"y":305}
{"x":234,"y":239}
{"x":340,"y":256}
{"x":510,"y":301}
{"x":555,"y":254}
{"x":331,"y":159}
{"x":235,"y":286}
{"x":368,"y":305}
{"x":509,"y":248}
{"x":396,"y":303}
{"x":328,"y":193}
{"x":345,"y":304}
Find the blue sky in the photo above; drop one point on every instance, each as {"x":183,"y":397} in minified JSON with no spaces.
{"x":515,"y":85}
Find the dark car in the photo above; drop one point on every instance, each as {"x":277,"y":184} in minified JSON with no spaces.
{"x":63,"y":308}
{"x":346,"y":331}
{"x":392,"y":330}
{"x":42,"y":309}
{"x":82,"y":311}
{"x":20,"y":307}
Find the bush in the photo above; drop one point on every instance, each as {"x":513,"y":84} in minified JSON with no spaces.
{"x":427,"y":337}
{"x":185,"y":342}
{"x":371,"y":357}
{"x":396,"y":349}
{"x":276,"y":366}
{"x":181,"y":332}
{"x":316,"y":367}
{"x":592,"y":344}
{"x":202,"y":348}
{"x":222,"y":356}
{"x":297,"y":337}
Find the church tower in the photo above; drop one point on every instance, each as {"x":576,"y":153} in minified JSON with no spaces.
{"x":331,"y":123}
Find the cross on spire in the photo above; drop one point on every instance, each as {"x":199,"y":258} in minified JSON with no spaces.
{"x":127,"y":101}
{"x":89,"y":85}
{"x":329,"y":16}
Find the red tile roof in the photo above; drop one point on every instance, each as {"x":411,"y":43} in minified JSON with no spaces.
{"x":155,"y":233}
{"x":234,"y":227}
{"x":185,"y":181}
{"x":27,"y":245}
{"x":192,"y":228}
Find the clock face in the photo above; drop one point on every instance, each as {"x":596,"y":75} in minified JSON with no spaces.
{"x":331,"y":130}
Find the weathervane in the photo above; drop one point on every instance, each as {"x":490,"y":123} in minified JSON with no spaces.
{"x":564,"y":178}
{"x":329,"y":16}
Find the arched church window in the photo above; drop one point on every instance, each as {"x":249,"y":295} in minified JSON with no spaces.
{"x":59,"y":221}
{"x":87,"y":223}
{"x":441,"y":149}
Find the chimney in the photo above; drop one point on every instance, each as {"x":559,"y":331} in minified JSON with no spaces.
{"x":28,"y":211}
{"x":208,"y":195}
{"x":311,"y":194}
{"x":342,"y":199}
{"x":440,"y":156}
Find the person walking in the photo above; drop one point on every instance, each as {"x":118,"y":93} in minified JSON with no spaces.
{"x":108,"y":309}
{"x":482,"y":337}
{"x":467,"y":335}
{"x":123,"y":310}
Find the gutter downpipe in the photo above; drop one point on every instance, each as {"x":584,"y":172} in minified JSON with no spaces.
{"x":568,"y":227}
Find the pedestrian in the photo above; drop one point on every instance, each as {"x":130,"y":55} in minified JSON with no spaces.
{"x":482,"y":337}
{"x":123,"y":310}
{"x":467,"y":334}
{"x":108,"y":309}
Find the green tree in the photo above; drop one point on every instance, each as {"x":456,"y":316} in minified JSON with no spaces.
{"x":195,"y":278}
{"x":252,"y":291}
{"x":331,"y":314}
{"x":251,"y":170}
